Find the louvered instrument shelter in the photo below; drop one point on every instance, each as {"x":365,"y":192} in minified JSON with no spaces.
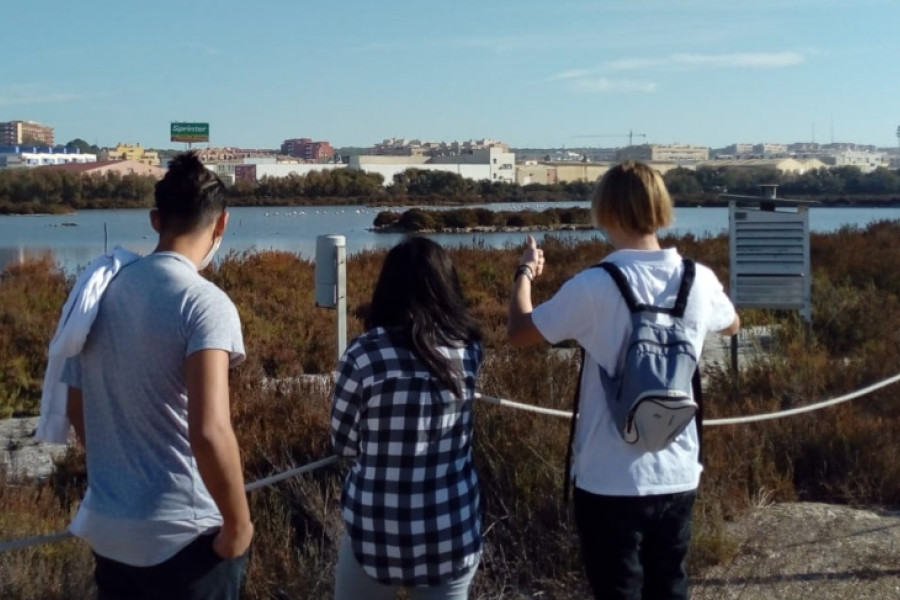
{"x":769,"y":249}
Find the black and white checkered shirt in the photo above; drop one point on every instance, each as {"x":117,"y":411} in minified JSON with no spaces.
{"x":410,"y":502}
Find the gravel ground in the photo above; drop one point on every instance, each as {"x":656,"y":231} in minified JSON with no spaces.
{"x":22,"y":455}
{"x":810,"y":551}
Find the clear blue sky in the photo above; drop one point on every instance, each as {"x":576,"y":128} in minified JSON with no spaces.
{"x":528,"y":72}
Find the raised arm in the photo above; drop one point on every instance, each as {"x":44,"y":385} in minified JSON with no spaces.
{"x":215,"y":448}
{"x":520,"y":328}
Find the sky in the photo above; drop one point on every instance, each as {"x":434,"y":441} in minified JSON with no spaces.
{"x":551,"y":73}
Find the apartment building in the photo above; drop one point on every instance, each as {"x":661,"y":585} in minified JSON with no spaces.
{"x":307,"y":149}
{"x":13,"y":133}
{"x":133,"y":152}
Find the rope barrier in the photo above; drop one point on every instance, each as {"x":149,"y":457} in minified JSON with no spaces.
{"x":260,"y":483}
{"x":267,"y":481}
{"x":714,"y":422}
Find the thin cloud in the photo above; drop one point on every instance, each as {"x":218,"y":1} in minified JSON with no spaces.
{"x":30,"y":93}
{"x":751,"y":60}
{"x":603,"y":85}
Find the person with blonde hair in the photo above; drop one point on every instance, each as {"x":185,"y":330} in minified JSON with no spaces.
{"x":633,"y":506}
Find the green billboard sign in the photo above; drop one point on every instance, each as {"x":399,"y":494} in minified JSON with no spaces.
{"x":190,"y":132}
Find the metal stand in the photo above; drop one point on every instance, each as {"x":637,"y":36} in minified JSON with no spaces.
{"x":331,"y":282}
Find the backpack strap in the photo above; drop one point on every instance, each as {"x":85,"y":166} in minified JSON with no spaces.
{"x":687,"y":281}
{"x":570,"y":447}
{"x":697,"y":390}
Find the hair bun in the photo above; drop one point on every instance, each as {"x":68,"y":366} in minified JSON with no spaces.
{"x":186,"y":163}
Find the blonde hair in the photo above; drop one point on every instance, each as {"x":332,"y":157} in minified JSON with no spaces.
{"x":634,"y":197}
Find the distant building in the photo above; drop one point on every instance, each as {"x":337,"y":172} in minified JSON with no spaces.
{"x":776,"y":165}
{"x":490,"y":164}
{"x":416,"y":147}
{"x":770,"y":150}
{"x":29,"y":133}
{"x":133,"y":152}
{"x":229,"y":153}
{"x":664,"y":153}
{"x":122,"y":167}
{"x":253,"y":171}
{"x":307,"y":149}
{"x":864,"y":160}
{"x":737,"y":150}
{"x":37,"y":156}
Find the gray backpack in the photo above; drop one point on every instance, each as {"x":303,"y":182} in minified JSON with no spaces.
{"x":651,"y":396}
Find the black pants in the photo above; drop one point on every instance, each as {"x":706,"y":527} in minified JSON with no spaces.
{"x":195,"y":573}
{"x":634,"y":547}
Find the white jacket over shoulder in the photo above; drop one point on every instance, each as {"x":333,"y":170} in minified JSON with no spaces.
{"x":75,"y":322}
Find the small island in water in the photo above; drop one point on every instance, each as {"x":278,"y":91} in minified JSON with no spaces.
{"x":481,"y":220}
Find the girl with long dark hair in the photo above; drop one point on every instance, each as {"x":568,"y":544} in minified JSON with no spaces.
{"x":402,"y":409}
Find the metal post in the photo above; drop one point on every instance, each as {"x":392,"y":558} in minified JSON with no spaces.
{"x":341,"y":265}
{"x":331,"y":282}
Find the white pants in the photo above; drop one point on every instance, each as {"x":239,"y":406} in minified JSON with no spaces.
{"x":352,"y":583}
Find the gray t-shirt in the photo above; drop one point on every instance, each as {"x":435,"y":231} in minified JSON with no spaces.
{"x":155,"y":313}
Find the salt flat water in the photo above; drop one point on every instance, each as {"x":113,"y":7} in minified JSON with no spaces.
{"x":74,"y":239}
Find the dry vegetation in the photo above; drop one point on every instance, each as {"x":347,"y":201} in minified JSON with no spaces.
{"x":843,"y":455}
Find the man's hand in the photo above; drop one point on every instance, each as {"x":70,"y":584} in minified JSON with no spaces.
{"x":232,"y":542}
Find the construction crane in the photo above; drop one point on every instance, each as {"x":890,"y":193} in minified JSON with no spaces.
{"x":630,"y":135}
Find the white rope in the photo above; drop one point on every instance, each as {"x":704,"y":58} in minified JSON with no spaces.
{"x":266,"y":481}
{"x":804,"y":409}
{"x":34,"y":541}
{"x":526,"y":407}
{"x":714,"y":422}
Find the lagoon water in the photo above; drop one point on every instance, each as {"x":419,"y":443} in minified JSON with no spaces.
{"x":74,"y":239}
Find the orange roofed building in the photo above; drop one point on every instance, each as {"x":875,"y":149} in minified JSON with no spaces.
{"x":123,"y":167}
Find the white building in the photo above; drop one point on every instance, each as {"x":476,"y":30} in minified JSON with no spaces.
{"x":18,"y":156}
{"x":865,"y":161}
{"x":491,"y":164}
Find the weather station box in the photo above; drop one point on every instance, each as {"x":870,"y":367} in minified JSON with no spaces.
{"x":769,"y":250}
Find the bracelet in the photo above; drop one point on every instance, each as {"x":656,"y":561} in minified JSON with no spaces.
{"x":525,"y":270}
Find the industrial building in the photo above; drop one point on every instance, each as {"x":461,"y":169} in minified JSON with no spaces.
{"x":37,"y":156}
{"x":664,"y":153}
{"x":29,"y":133}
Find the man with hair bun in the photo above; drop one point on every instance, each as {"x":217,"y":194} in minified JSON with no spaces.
{"x":165,"y":513}
{"x":633,"y":506}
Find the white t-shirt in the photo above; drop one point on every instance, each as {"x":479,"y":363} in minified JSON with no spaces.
{"x":589,"y":309}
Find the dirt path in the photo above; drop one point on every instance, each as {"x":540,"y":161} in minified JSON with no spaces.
{"x":809,"y":551}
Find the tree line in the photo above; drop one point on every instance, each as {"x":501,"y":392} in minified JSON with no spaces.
{"x":49,"y":190}
{"x":836,"y":181}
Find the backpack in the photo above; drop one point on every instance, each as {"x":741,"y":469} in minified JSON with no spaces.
{"x":651,"y":394}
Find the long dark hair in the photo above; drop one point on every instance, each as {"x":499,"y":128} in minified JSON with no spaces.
{"x":418,"y":299}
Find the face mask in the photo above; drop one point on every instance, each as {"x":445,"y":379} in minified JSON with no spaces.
{"x":209,"y":255}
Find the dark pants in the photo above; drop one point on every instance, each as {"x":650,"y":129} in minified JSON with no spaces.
{"x":634,"y":547}
{"x":195,"y":573}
